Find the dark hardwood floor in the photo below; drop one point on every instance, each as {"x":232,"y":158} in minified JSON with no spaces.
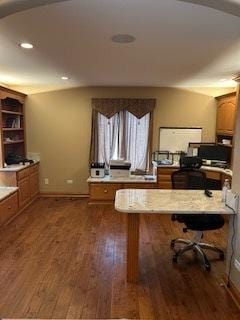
{"x":63,"y":259}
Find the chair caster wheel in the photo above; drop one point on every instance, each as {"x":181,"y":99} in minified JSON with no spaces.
{"x":207,"y":267}
{"x":221,"y":256}
{"x":172,"y":244}
{"x":174,"y":258}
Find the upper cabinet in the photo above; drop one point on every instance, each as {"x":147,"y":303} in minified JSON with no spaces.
{"x":226,"y":114}
{"x":11,"y":124}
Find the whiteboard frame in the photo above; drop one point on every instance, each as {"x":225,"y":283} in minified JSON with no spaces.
{"x":176,"y":128}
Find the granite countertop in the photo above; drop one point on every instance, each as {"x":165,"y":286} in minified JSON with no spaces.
{"x":17,"y":167}
{"x":130,"y":179}
{"x":169,"y":202}
{"x":207,"y":168}
{"x":7,"y":191}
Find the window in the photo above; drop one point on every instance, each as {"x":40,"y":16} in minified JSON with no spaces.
{"x":122,"y":128}
{"x":124,"y":136}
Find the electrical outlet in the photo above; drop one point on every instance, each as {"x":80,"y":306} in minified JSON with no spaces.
{"x":69,"y":181}
{"x":237,"y":264}
{"x":46,"y":181}
{"x":232,"y":200}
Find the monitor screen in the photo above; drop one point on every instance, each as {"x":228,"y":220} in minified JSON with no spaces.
{"x":218,"y":153}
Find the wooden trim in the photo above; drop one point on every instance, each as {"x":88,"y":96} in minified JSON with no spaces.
{"x":226,"y":95}
{"x":62,"y":195}
{"x":12,"y":91}
{"x":232,"y":290}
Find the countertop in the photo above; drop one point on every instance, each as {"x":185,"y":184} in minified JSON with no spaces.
{"x":131,"y":179}
{"x":7,"y":191}
{"x":207,"y":168}
{"x":169,"y":202}
{"x":17,"y":167}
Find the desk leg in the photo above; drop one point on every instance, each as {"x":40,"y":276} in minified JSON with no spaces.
{"x":132,"y":247}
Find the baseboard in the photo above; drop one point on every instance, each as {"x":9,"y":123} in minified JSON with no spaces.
{"x":63,"y":195}
{"x":232,"y":290}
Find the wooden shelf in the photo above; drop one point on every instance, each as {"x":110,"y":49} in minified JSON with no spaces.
{"x":227,"y":134}
{"x":12,"y":129}
{"x":13,"y":142}
{"x":12,"y":112}
{"x":225,"y":145}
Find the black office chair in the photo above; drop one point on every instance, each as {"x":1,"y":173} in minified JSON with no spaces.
{"x":190,"y":177}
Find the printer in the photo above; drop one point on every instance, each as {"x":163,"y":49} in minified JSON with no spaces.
{"x":97,"y":169}
{"x":119,"y":168}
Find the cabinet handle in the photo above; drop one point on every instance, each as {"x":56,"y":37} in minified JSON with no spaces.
{"x":9,"y":207}
{"x":105,"y":191}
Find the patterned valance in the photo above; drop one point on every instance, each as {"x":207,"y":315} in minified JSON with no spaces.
{"x":138,"y":107}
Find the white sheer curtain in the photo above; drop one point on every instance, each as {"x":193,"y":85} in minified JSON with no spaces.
{"x":136,"y":141}
{"x":108,"y":132}
{"x":124,"y":136}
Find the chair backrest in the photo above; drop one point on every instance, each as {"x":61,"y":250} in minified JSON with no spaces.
{"x":189,"y":179}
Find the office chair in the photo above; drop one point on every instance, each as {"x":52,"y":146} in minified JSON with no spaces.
{"x":190,"y":177}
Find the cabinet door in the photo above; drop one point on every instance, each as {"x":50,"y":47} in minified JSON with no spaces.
{"x":34,"y":184}
{"x":226,"y":115}
{"x":24,"y":191}
{"x":8,"y":208}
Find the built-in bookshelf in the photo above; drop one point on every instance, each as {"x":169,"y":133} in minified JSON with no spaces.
{"x":12,"y":123}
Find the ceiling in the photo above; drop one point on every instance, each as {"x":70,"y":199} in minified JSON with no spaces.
{"x":178,"y":44}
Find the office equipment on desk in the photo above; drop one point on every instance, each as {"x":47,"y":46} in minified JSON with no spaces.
{"x":97,"y":170}
{"x":176,"y":139}
{"x":194,"y":146}
{"x":190,"y":177}
{"x":215,"y":155}
{"x":159,"y":156}
{"x":119,"y":168}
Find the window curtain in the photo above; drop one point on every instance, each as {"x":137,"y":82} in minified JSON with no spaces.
{"x":122,"y":128}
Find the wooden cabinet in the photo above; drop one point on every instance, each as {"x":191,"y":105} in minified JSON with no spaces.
{"x":11,"y":124}
{"x":8,"y":208}
{"x":164,"y":180}
{"x":27,"y":180}
{"x":104,"y":192}
{"x":226,"y":114}
{"x":34,"y":184}
{"x":24,"y":191}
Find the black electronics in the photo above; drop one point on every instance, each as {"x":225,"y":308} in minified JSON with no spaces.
{"x":219,"y":154}
{"x":16,"y":159}
{"x":97,"y":169}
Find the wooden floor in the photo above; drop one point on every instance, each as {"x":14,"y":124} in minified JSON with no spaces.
{"x":63,"y":259}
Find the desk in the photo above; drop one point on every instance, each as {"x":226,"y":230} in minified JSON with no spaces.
{"x":156,"y":201}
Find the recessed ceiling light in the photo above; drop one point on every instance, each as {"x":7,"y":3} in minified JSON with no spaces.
{"x":26,"y":45}
{"x":64,"y":78}
{"x":123,"y":38}
{"x":222,"y":80}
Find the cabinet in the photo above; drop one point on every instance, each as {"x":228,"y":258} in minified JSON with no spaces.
{"x":226,"y":111}
{"x":8,"y":208}
{"x":11,"y":123}
{"x":27,"y":180}
{"x":104,"y":192}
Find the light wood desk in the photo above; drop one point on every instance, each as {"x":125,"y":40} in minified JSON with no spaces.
{"x":133,"y":202}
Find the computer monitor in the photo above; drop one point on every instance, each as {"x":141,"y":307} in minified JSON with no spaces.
{"x":217,"y":153}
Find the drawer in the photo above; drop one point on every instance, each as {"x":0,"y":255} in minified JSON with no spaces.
{"x":163,"y":177}
{"x":23,"y":174}
{"x":165,"y":185}
{"x":166,"y":171}
{"x":213,"y":175}
{"x":104,"y":191}
{"x":8,"y":208}
{"x":140,"y":185}
{"x":33,"y":168}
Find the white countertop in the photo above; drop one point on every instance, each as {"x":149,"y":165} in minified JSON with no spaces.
{"x":207,"y":168}
{"x":130,"y":179}
{"x":169,"y":201}
{"x":6,"y":191}
{"x":17,"y":167}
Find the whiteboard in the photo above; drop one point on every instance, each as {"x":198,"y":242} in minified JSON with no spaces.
{"x":177,"y":139}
